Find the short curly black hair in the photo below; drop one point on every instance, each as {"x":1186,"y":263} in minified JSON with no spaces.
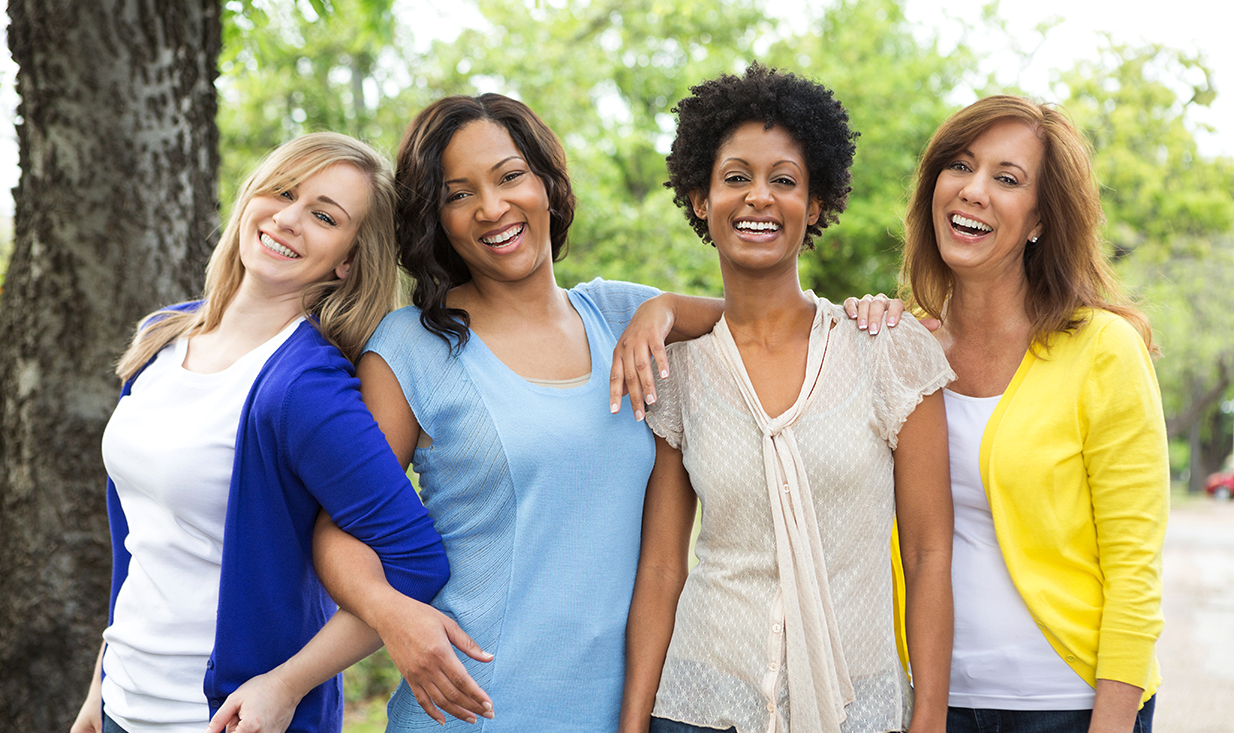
{"x":807,"y":110}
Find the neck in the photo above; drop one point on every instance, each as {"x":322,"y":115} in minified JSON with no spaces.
{"x":533,"y":297}
{"x":988,"y":310}
{"x":766,"y":307}
{"x":258,"y":317}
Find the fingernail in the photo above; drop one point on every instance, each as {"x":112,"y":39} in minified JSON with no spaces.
{"x":613,"y":408}
{"x":488,"y":706}
{"x":861,"y":324}
{"x":663,"y":374}
{"x":638,"y":415}
{"x":873,"y":328}
{"x":651,"y":399}
{"x":891,"y":322}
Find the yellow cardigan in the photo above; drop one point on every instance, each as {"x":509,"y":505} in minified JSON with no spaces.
{"x":1075,"y":467}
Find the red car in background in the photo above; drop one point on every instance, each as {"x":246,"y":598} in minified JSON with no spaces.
{"x":1220,"y":485}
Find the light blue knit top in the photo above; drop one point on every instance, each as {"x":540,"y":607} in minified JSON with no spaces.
{"x":538,"y":495}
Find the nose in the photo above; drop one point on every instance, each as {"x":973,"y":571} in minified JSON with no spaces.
{"x":288,"y":217}
{"x":759,"y":194}
{"x":492,"y":206}
{"x":974,"y":192}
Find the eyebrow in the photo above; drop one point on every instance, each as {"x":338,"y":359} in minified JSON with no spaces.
{"x":328,"y":200}
{"x":1003,"y":164}
{"x":746,"y":163}
{"x":496,"y":165}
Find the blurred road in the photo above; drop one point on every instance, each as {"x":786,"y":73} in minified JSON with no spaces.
{"x":1197,"y":646}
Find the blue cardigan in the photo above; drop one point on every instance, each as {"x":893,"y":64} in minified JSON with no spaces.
{"x":305,"y":442}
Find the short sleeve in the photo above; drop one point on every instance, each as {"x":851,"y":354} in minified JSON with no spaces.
{"x":665,"y":416}
{"x":617,"y":300}
{"x":907,"y":365}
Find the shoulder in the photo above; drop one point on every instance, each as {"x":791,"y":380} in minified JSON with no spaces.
{"x":401,"y":337}
{"x":609,"y":294}
{"x":1101,"y":332}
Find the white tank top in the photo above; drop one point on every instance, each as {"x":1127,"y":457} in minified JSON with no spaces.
{"x":169,"y":447}
{"x":1000,"y":659}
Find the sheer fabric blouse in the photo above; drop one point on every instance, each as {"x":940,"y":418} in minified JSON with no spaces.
{"x":731,"y":658}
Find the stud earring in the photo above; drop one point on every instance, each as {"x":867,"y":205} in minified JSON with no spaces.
{"x":1033,"y":240}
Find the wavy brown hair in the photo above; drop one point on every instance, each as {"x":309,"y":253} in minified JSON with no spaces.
{"x":1066,"y":269}
{"x":424,"y":250}
{"x":345,"y":311}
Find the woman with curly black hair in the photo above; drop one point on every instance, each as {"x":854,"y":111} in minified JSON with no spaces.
{"x":804,"y":442}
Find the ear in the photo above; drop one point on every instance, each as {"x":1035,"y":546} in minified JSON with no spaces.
{"x":344,"y":267}
{"x":1037,"y":231}
{"x":816,"y":210}
{"x":698,"y":201}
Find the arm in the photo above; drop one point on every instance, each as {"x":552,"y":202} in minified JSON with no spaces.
{"x":267,"y":702}
{"x":1127,"y":463}
{"x":664,"y":319}
{"x":90,"y":717}
{"x":925,"y":518}
{"x":663,"y":563}
{"x":417,"y":636}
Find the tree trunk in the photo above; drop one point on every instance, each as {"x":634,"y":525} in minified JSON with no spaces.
{"x":115,"y":215}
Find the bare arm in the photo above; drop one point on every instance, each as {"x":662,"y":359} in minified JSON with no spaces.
{"x":664,"y":319}
{"x":925,"y":518}
{"x":663,"y":563}
{"x":90,"y":717}
{"x":267,"y":703}
{"x":1115,"y":707}
{"x":418,"y":636}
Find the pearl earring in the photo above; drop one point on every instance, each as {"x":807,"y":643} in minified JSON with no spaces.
{"x":1033,"y":240}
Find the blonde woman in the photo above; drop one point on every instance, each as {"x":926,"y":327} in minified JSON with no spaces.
{"x":239,"y":420}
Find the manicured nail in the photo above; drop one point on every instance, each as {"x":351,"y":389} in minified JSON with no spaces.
{"x":638,"y":415}
{"x":861,"y":324}
{"x":873,"y":328}
{"x":651,"y":399}
{"x":663,"y":374}
{"x":613,"y":408}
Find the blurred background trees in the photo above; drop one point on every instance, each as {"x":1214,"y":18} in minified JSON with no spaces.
{"x":605,"y":75}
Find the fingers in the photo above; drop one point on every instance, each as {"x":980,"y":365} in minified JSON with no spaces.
{"x":616,"y":384}
{"x":931,"y":324}
{"x":427,"y":704}
{"x":225,"y":716}
{"x":465,"y":643}
{"x":870,"y":309}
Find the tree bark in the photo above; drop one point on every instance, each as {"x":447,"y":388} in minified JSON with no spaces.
{"x":115,"y":215}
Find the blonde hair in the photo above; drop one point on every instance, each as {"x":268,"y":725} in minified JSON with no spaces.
{"x":346,"y":311}
{"x":1066,"y":269}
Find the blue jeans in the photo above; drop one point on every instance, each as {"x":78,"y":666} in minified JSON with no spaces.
{"x":110,"y":726}
{"x":968,"y":720}
{"x":664,"y":725}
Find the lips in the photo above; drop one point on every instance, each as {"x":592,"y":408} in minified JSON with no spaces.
{"x":971,"y":227}
{"x":504,"y":237}
{"x":268,"y":242}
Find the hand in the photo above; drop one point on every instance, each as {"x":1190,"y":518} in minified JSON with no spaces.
{"x":421,"y":644}
{"x":869,"y":311}
{"x":264,"y":704}
{"x":641,"y":342}
{"x":90,"y":717}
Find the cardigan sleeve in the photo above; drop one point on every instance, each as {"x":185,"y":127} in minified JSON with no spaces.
{"x":1126,"y":458}
{"x":340,"y":454}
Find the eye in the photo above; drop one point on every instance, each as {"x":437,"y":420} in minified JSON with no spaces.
{"x":784,"y":180}
{"x":1007,"y":178}
{"x":959,"y":165}
{"x":511,"y":176}
{"x":455,"y":196}
{"x":287,"y":195}
{"x":735,"y":178}
{"x":324,"y":217}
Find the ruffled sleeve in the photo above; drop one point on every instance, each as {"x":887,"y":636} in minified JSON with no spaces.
{"x":907,"y":365}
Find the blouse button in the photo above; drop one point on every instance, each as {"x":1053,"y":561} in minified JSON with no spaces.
{"x":1070,"y":658}
{"x":771,"y":707}
{"x":775,"y":628}
{"x":772,"y":666}
{"x":785,"y":488}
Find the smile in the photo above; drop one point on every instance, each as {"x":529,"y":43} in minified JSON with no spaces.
{"x":969,"y":226}
{"x":757,"y":226}
{"x":498,"y":240}
{"x":273,"y":246}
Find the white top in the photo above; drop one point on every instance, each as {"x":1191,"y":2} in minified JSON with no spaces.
{"x":169,"y":447}
{"x":999,"y":659}
{"x":789,"y":608}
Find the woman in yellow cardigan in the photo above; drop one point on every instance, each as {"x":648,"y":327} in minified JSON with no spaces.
{"x":1057,"y":439}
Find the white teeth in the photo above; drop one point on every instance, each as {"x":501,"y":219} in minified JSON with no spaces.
{"x":504,"y":237}
{"x":274,"y":246}
{"x":971,"y":224}
{"x":759,"y":226}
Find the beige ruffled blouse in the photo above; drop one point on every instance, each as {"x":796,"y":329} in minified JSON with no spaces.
{"x":786,"y":623}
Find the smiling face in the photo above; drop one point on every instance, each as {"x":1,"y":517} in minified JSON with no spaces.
{"x":496,"y":210}
{"x":985,"y":202}
{"x":758,"y":205}
{"x":304,"y":234}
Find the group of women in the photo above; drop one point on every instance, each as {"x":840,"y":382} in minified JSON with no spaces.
{"x":257,"y":456}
